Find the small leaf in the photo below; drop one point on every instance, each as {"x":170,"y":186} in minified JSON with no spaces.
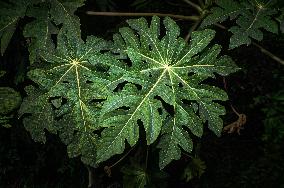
{"x":134,"y":176}
{"x":9,"y":100}
{"x":195,"y":168}
{"x":5,"y":120}
{"x":2,"y":73}
{"x":7,"y":126}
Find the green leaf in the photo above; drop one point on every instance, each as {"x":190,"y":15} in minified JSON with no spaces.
{"x":6,"y":125}
{"x":173,"y":138}
{"x":10,"y":13}
{"x":7,"y":35}
{"x":251,"y":17}
{"x":134,"y":176}
{"x":9,"y":100}
{"x":195,"y":168}
{"x":225,"y":9}
{"x":62,"y":12}
{"x":48,"y":15}
{"x":2,"y":73}
{"x":68,"y":88}
{"x":164,"y":69}
{"x":40,"y":115}
{"x":39,"y":30}
{"x":83,"y":144}
{"x":4,"y":120}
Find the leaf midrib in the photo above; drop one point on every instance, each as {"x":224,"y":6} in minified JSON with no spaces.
{"x":137,"y":108}
{"x":10,"y":23}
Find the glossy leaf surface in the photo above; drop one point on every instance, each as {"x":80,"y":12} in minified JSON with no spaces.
{"x":65,"y":101}
{"x":164,"y":69}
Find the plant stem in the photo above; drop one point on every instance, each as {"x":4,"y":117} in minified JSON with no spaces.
{"x":268,"y":53}
{"x":192,"y":18}
{"x":201,"y":3}
{"x":121,"y":158}
{"x":187,"y":155}
{"x":263,"y":50}
{"x":91,"y":177}
{"x":147,"y":155}
{"x":195,"y":25}
{"x":193,"y":5}
{"x":221,"y":26}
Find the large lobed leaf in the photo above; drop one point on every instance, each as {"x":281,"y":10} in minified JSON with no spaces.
{"x":81,"y":92}
{"x":164,"y":69}
{"x":251,"y":18}
{"x":65,"y":101}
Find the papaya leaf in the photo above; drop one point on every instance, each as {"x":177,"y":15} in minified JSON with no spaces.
{"x":10,"y":13}
{"x":42,"y":117}
{"x":9,"y":100}
{"x":195,"y":168}
{"x":134,"y":176}
{"x":251,"y":18}
{"x":164,"y":69}
{"x":68,"y":87}
{"x":39,"y":30}
{"x":62,"y":12}
{"x":7,"y":35}
{"x":225,"y":9}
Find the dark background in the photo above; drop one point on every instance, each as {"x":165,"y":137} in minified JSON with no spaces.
{"x":252,"y":159}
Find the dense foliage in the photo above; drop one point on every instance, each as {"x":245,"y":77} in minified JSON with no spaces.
{"x":147,"y":87}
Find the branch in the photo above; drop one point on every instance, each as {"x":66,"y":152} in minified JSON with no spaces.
{"x":195,"y":6}
{"x":268,"y":53}
{"x":107,"y":169}
{"x":93,"y":13}
{"x":147,"y":156}
{"x":263,"y":50}
{"x":201,"y":3}
{"x":91,"y":177}
{"x":193,"y":28}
